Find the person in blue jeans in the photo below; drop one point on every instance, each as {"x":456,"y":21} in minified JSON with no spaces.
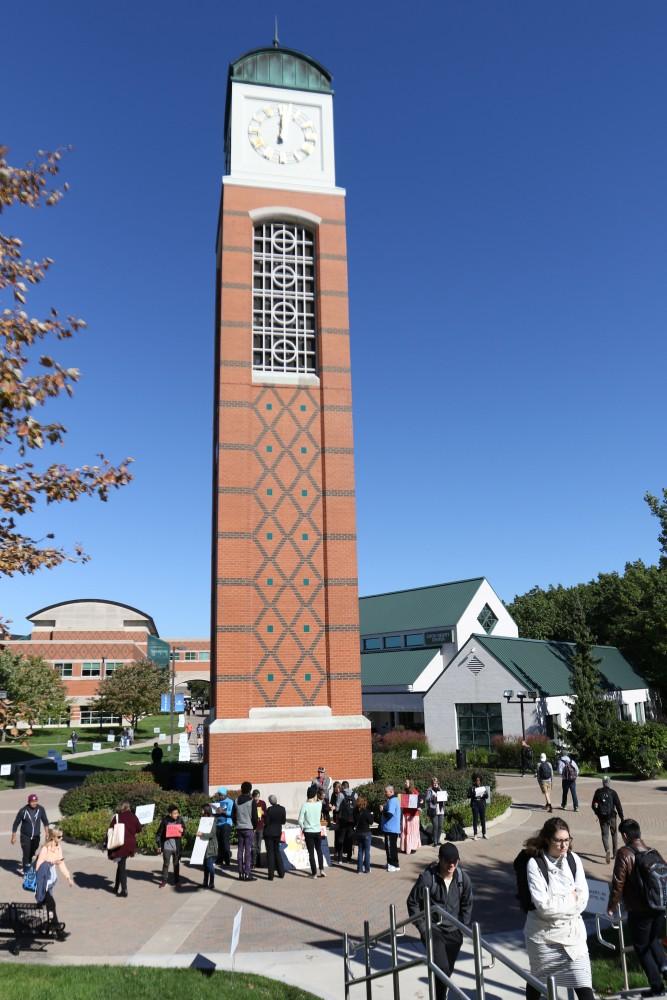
{"x":390,"y":826}
{"x":363,"y":821}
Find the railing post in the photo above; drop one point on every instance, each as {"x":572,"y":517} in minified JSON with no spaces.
{"x":367,"y":959}
{"x":479,"y":966}
{"x":428,"y":931}
{"x":621,"y":941}
{"x":552,"y":989}
{"x":346,"y":969}
{"x":394,"y":951}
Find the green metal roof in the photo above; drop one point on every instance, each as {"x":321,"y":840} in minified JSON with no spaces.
{"x":279,"y":67}
{"x":546,"y":666}
{"x":393,"y":669}
{"x":424,"y":607}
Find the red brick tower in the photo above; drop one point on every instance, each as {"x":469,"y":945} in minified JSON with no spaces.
{"x":285,"y":663}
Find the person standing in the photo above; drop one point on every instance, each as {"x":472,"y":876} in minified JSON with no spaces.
{"x":244,"y":816}
{"x":607,"y":806}
{"x":74,"y":737}
{"x":50,"y":862}
{"x":127,"y":849}
{"x":629,"y":882}
{"x":555,"y":930}
{"x":526,"y":755}
{"x":223,"y":827}
{"x":435,"y":809}
{"x":363,"y":821}
{"x":309,"y":820}
{"x":479,"y":796}
{"x":211,"y":850}
{"x":30,"y":819}
{"x":156,"y":755}
{"x":410,"y":835}
{"x":259,"y":829}
{"x":545,"y":775}
{"x":345,"y":824}
{"x":568,"y":771}
{"x":169,"y":838}
{"x":275,"y":819}
{"x":390,"y":826}
{"x":323,"y":781}
{"x":450,"y":887}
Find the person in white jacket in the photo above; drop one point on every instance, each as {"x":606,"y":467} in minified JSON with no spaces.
{"x":555,"y":930}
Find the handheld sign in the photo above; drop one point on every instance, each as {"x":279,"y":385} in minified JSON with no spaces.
{"x":156,"y":729}
{"x":598,"y":896}
{"x":236,"y":931}
{"x":145,"y":813}
{"x":70,"y":745}
{"x":604,"y":763}
{"x":199,"y":846}
{"x":441,"y":795}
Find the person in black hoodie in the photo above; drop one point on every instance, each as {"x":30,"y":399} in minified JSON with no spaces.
{"x":30,"y":819}
{"x":451,"y":888}
{"x":274,"y":821}
{"x":363,"y":821}
{"x":478,"y":795}
{"x":170,"y":842}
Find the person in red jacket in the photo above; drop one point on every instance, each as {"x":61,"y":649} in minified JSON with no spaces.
{"x":127,"y":849}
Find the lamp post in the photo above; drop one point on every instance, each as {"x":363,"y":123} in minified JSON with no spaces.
{"x":520,"y":698}
{"x":174,"y":655}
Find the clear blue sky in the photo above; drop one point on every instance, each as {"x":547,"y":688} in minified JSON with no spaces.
{"x":505,"y":166}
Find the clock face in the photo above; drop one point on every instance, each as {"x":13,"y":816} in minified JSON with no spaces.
{"x":281,"y":133}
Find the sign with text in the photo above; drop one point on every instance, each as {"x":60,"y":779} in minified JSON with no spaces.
{"x":158,"y":651}
{"x":5,"y":769}
{"x":438,"y":638}
{"x":199,"y":845}
{"x":598,"y":896}
{"x":111,"y":738}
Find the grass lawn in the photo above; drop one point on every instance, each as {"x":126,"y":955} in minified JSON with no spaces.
{"x":606,"y":966}
{"x":35,"y":982}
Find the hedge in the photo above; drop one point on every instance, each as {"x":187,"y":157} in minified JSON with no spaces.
{"x":91,"y":828}
{"x":456,"y":783}
{"x":110,"y":777}
{"x":87,"y":798}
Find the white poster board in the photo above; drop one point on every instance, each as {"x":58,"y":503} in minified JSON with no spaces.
{"x":441,"y":795}
{"x":145,"y":814}
{"x":181,"y":721}
{"x":163,"y":737}
{"x":236,"y":931}
{"x":199,"y":846}
{"x":598,"y":896}
{"x":414,"y":755}
{"x":70,"y":745}
{"x":184,"y":754}
{"x":5,"y":769}
{"x":296,"y":852}
{"x":156,"y":729}
{"x":111,"y":738}
{"x":604,"y":763}
{"x":97,"y":746}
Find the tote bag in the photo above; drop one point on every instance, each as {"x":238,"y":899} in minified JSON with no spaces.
{"x":115,"y":835}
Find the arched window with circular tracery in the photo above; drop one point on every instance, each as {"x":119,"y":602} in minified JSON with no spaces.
{"x":283,"y":318}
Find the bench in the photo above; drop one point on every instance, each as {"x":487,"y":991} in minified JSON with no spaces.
{"x":29,"y":922}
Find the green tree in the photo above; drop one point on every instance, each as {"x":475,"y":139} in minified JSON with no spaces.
{"x":591,"y":712}
{"x":31,"y":379}
{"x":132,"y":690}
{"x":659,"y":509}
{"x":36,"y":690}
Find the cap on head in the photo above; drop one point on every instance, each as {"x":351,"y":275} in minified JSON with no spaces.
{"x":543,"y":757}
{"x":449,"y":854}
{"x":32,"y":798}
{"x":222,"y":790}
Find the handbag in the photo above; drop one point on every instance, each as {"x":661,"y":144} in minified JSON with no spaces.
{"x":115,"y":835}
{"x":30,"y":879}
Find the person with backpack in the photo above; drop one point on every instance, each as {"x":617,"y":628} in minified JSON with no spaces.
{"x":545,"y":775}
{"x":606,"y":805}
{"x":568,"y":771}
{"x":344,"y":836}
{"x":640,"y":880}
{"x":244,"y":815}
{"x":553,"y":893}
{"x":223,"y":828}
{"x":450,"y":888}
{"x":30,"y":819}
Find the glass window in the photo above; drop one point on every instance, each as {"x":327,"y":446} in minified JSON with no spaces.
{"x":639,"y":712}
{"x":417,"y":639}
{"x":91,"y":718}
{"x":189,"y":656}
{"x":110,"y":666}
{"x":283,"y":316}
{"x":60,"y":720}
{"x":204,"y":654}
{"x":393,"y":642}
{"x":372,"y":644}
{"x":64,"y":669}
{"x":478,"y":723}
{"x":487,"y":619}
{"x":91,"y":669}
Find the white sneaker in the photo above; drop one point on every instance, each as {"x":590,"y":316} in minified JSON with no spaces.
{"x":391,"y":868}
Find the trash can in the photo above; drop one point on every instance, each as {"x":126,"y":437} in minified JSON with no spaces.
{"x":461,"y":760}
{"x":19,"y":777}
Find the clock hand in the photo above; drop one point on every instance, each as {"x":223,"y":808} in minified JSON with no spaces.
{"x":285,"y":112}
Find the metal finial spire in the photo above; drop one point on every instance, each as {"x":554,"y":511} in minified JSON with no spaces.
{"x":276,"y":40}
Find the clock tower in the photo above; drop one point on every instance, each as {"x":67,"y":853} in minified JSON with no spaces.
{"x":285,"y":657}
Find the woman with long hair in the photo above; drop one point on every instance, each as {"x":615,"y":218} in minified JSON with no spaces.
{"x":50,"y":863}
{"x":127,"y":849}
{"x":555,"y":931}
{"x":410,"y":833}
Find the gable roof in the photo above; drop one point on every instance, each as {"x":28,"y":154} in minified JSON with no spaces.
{"x":396,"y":668}
{"x":422,"y":607}
{"x":547,"y":666}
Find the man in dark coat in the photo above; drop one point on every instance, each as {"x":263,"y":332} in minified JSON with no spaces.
{"x":451,"y":888}
{"x":607,"y":806}
{"x":30,"y":819}
{"x":274,"y":820}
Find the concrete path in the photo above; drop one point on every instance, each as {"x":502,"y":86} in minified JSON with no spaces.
{"x":291,"y":927}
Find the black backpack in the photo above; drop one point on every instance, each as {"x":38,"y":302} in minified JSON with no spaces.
{"x":346,"y":809}
{"x":521,"y":874}
{"x":651,"y":876}
{"x":605,"y":801}
{"x":568,"y":772}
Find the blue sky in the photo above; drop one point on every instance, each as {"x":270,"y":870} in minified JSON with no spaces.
{"x":505,"y":166}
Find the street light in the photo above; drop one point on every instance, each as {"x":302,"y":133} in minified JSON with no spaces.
{"x":519,"y":698}
{"x":174,"y":654}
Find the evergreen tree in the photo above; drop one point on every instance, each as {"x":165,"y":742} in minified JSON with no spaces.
{"x":591,"y":713}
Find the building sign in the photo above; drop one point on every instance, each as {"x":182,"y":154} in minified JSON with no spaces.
{"x":438,"y":638}
{"x":158,"y":651}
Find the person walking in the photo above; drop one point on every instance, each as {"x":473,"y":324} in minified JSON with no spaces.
{"x":127,"y":849}
{"x":478,"y":795}
{"x":450,"y":887}
{"x":156,"y":755}
{"x":310,"y":815}
{"x":30,"y":819}
{"x":390,"y":827}
{"x":545,"y":776}
{"x":275,"y":819}
{"x":607,"y":806}
{"x":244,"y":816}
{"x":410,"y":835}
{"x":526,"y":755}
{"x":631,"y":882}
{"x":50,"y":863}
{"x":224,"y":825}
{"x":363,"y":821}
{"x":259,"y":829}
{"x":568,"y":770}
{"x":435,"y":809}
{"x":558,"y":893}
{"x":210,"y":852}
{"x":169,"y":838}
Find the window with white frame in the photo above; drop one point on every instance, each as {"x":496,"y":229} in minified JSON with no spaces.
{"x":64,"y":669}
{"x":110,"y":666}
{"x":58,"y":720}
{"x":204,"y":655}
{"x":283,"y":315}
{"x":91,"y":669}
{"x":91,"y":718}
{"x":190,"y":656}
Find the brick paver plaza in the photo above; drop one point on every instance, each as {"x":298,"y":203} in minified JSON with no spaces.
{"x":298,"y":914}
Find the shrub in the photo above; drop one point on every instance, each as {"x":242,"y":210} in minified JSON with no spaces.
{"x":110,"y":777}
{"x":478,"y":757}
{"x":456,"y":783}
{"x":101,"y":796}
{"x":91,"y":827}
{"x":400,"y":740}
{"x":641,"y":749}
{"x":507,"y":749}
{"x":395,"y":768}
